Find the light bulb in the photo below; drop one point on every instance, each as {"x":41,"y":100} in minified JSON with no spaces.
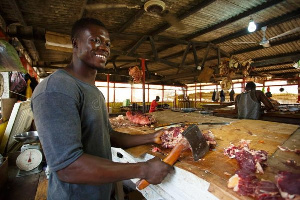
{"x":251,"y":26}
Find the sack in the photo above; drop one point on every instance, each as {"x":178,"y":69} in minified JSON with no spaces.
{"x":18,"y":83}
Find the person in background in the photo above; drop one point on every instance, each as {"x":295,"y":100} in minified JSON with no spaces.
{"x":274,"y":102}
{"x":74,"y":128}
{"x":154,"y":104}
{"x":248,"y":103}
{"x":231,"y":95}
{"x":222,"y":96}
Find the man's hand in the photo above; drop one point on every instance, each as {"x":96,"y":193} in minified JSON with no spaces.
{"x":157,"y":136}
{"x":156,"y":170}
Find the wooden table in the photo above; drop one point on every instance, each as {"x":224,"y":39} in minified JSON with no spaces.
{"x":207,"y":178}
{"x":283,"y":117}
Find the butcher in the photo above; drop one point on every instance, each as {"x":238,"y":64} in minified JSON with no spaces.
{"x":74,"y":128}
{"x":248,"y":103}
{"x":154,"y":104}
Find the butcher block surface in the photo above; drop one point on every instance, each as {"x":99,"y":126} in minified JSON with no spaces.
{"x":215,"y":167}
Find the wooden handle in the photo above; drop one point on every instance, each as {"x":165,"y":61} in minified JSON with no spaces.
{"x":170,"y":160}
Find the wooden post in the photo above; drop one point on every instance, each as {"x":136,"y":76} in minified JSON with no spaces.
{"x":114,"y":93}
{"x":298,"y":88}
{"x":163,"y":94}
{"x":243,"y":84}
{"x":175,"y":105}
{"x":200,"y":93}
{"x":195,"y":95}
{"x":107,"y":77}
{"x":131,"y":93}
{"x":148,"y":93}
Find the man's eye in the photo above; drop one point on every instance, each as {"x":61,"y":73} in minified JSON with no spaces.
{"x":108,"y":44}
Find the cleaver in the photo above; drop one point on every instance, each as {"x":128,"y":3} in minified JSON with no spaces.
{"x":192,"y":138}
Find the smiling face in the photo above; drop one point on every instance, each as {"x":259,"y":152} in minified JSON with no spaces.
{"x":92,"y":46}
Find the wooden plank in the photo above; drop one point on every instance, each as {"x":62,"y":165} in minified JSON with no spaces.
{"x":41,"y":192}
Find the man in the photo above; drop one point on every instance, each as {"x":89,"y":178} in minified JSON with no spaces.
{"x":154,"y":104}
{"x":248,"y":104}
{"x":74,"y":128}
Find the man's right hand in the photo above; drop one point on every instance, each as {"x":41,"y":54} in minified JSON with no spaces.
{"x":156,"y":170}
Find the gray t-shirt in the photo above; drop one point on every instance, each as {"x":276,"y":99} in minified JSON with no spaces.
{"x":71,"y":118}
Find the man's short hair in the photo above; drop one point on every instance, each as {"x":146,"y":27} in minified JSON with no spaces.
{"x":83,"y":23}
{"x":250,"y":86}
{"x":157,"y":97}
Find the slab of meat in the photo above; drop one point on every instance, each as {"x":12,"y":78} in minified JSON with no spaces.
{"x":139,"y":118}
{"x":173,"y":135}
{"x":288,"y":184}
{"x":244,"y":183}
{"x":248,"y":159}
{"x":136,"y":74}
{"x":247,"y":184}
{"x":267,"y":190}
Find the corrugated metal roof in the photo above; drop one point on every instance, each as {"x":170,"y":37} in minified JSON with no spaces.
{"x":227,"y":15}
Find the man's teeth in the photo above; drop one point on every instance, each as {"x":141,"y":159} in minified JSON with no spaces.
{"x":101,"y":56}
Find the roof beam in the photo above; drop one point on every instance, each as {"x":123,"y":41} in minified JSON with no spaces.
{"x":184,"y":56}
{"x":276,"y":70}
{"x":275,"y":60}
{"x":82,"y":11}
{"x":137,"y":15}
{"x":273,"y":44}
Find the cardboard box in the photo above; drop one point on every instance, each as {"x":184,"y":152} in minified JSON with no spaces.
{"x":3,"y":173}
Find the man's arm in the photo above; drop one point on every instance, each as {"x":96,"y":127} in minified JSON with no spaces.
{"x":262,"y":97}
{"x":123,"y":140}
{"x":61,"y":140}
{"x":88,"y":169}
{"x":235,"y":105}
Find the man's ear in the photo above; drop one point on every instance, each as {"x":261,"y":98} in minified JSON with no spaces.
{"x":74,"y":43}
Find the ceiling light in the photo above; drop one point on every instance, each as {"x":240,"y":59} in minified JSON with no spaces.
{"x":251,"y":26}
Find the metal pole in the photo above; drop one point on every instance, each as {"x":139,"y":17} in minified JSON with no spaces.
{"x":143,"y":69}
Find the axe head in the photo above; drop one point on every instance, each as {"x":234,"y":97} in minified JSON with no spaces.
{"x":197,"y":141}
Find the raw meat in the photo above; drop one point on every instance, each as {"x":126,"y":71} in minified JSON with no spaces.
{"x":247,"y":184}
{"x":136,"y":74}
{"x":141,"y":119}
{"x":288,"y":184}
{"x":173,"y":135}
{"x":244,"y":183}
{"x":267,"y":190}
{"x":248,"y":159}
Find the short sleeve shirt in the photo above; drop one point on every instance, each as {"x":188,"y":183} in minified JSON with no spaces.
{"x":71,"y":119}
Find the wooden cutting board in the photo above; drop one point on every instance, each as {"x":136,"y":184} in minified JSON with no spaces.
{"x":215,"y":167}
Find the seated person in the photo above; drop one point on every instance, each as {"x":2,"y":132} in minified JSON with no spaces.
{"x":248,"y":103}
{"x":154,"y":104}
{"x":274,"y":102}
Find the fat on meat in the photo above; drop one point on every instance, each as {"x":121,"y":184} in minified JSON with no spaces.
{"x":141,"y":119}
